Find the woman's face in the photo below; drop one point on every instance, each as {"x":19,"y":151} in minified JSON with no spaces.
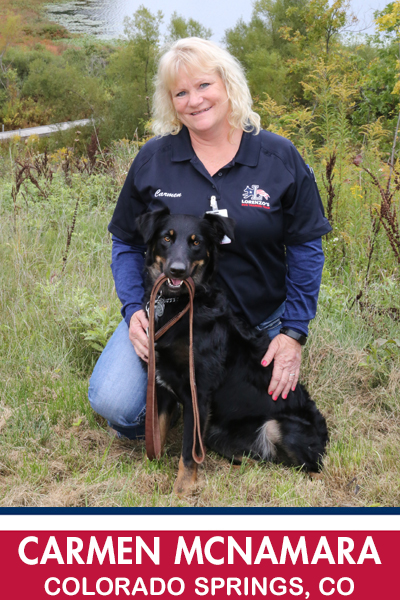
{"x":201,"y":102}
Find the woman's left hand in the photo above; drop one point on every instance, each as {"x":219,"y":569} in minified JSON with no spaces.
{"x":286,"y":353}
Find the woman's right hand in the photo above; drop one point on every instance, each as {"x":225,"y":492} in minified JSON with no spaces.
{"x":137,"y":334}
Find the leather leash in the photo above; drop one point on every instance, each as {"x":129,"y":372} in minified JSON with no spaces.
{"x":152,"y":428}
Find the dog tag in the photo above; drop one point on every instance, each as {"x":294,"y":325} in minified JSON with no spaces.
{"x":159,"y":307}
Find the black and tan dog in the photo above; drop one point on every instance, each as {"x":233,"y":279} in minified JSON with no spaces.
{"x":237,"y":416}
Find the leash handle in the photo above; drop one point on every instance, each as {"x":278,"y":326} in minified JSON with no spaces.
{"x":152,"y":427}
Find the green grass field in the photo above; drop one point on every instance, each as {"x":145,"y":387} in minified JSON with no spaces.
{"x":54,"y":451}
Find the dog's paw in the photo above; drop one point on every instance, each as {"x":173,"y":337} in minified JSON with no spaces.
{"x":315,"y":476}
{"x":185,"y":483}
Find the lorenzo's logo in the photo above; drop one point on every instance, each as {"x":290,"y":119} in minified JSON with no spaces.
{"x":253,"y":196}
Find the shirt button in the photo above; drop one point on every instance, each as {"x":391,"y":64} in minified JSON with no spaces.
{"x":213,"y":187}
{"x":220,"y":174}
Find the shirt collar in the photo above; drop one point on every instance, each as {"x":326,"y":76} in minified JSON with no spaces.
{"x":249,"y":149}
{"x":181,"y":146}
{"x":248,"y":153}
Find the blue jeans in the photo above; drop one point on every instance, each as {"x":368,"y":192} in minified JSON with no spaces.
{"x":117,"y":388}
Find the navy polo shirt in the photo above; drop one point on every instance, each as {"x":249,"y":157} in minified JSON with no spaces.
{"x":267,"y":188}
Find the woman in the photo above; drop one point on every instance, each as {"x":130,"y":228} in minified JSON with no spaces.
{"x":210,"y":154}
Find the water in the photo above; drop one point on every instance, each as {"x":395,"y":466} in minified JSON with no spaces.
{"x":88,"y":16}
{"x":104,"y":18}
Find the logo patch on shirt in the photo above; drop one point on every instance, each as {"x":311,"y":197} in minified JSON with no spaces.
{"x":253,"y":196}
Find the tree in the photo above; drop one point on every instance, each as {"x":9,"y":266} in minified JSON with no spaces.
{"x":263,"y":52}
{"x":10,"y":28}
{"x":131,"y":72}
{"x":283,"y":42}
{"x":322,"y":24}
{"x":179,"y":28}
{"x":53,"y":82}
{"x":143,"y":33}
{"x":278,"y":14}
{"x":377,"y":85}
{"x":388,"y":22}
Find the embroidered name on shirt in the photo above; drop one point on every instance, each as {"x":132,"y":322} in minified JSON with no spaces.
{"x":168,"y":194}
{"x":253,"y":196}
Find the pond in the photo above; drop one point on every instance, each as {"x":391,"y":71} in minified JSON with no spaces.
{"x":104,"y":18}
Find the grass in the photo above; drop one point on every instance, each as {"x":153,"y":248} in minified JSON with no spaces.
{"x":35,"y":26}
{"x":54,"y":451}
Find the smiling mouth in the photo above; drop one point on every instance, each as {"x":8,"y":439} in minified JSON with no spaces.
{"x":200,"y":111}
{"x":174,"y":284}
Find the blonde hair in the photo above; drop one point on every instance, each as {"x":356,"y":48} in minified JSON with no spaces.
{"x":195,"y":54}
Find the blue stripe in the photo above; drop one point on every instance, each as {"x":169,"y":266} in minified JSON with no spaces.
{"x":202,"y":511}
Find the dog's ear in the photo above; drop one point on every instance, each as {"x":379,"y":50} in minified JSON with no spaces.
{"x":221,"y":225}
{"x":148,"y":223}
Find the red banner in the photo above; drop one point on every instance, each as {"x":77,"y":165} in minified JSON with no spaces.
{"x":194,"y":564}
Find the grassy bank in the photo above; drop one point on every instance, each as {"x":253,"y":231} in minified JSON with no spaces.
{"x":58,"y":308}
{"x":34,"y":25}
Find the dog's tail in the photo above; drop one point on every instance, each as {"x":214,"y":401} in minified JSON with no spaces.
{"x":293,"y":441}
{"x":268,"y":438}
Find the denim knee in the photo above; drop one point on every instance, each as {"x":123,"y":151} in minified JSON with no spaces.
{"x":118,"y":408}
{"x":117,"y":388}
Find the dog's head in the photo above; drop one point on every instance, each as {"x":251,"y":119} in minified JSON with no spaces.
{"x":182,"y":246}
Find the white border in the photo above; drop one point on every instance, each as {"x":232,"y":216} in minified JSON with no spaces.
{"x":199,"y":522}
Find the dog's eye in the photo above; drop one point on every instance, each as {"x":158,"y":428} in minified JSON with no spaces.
{"x":167,"y":238}
{"x":196,"y":243}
